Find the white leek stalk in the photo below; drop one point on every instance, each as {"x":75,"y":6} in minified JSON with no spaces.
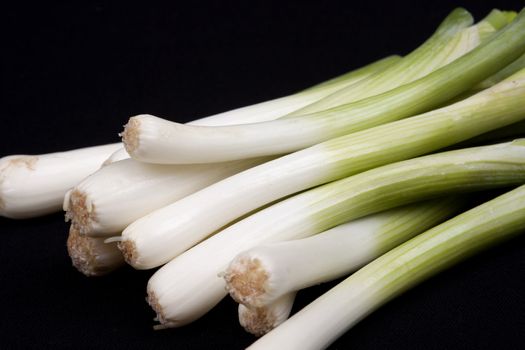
{"x":34,"y":185}
{"x":261,"y":275}
{"x":261,"y":320}
{"x":110,"y":199}
{"x":331,"y":315}
{"x":151,"y":139}
{"x":160,"y":236}
{"x":92,"y":256}
{"x":284,"y":267}
{"x":189,"y":286}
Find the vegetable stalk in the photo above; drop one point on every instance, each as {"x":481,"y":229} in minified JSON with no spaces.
{"x":188,"y":286}
{"x":107,"y":201}
{"x":261,"y":275}
{"x":152,"y":139}
{"x":328,"y":317}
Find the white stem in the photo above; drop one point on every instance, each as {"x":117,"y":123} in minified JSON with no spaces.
{"x":259,"y":276}
{"x":33,"y":185}
{"x":107,"y":201}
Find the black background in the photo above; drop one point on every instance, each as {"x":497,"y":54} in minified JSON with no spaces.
{"x":72,"y":75}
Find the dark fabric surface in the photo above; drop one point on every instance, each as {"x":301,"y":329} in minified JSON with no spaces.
{"x":73,"y":74}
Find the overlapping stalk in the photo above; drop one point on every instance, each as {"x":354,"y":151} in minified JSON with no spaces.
{"x":152,"y":139}
{"x":263,"y":274}
{"x":188,"y":286}
{"x":179,"y":225}
{"x":328,"y":317}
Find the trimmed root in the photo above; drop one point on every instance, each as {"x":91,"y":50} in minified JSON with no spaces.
{"x":153,"y":301}
{"x":245,"y":279}
{"x":256,"y":321}
{"x":129,"y":251}
{"x":92,"y":256}
{"x":130,"y":135}
{"x":80,"y":211}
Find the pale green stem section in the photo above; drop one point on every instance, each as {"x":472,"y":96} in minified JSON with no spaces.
{"x":188,"y":287}
{"x":510,"y":15}
{"x":298,"y":264}
{"x":499,"y":19}
{"x":328,"y":317}
{"x":432,"y":54}
{"x":179,"y":225}
{"x":354,"y":76}
{"x":506,"y":72}
{"x":507,"y":133}
{"x":495,"y":19}
{"x":464,"y":169}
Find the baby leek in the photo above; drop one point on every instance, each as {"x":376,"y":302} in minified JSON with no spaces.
{"x":152,"y":139}
{"x":110,"y":199}
{"x":261,"y":275}
{"x":188,"y":286}
{"x":328,"y":317}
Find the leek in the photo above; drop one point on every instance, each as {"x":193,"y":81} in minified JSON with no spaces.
{"x":107,"y":201}
{"x":188,"y":286}
{"x":152,"y":139}
{"x":328,"y":317}
{"x":261,"y":275}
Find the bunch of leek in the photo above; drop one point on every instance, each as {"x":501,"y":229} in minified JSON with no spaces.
{"x":266,"y":200}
